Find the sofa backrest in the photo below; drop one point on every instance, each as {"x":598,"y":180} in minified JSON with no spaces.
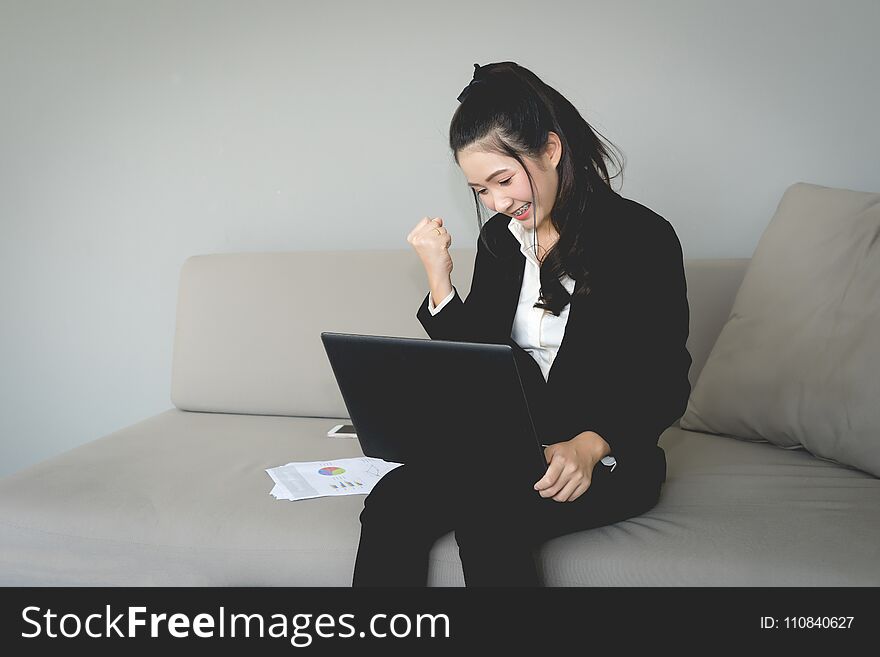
{"x":247,"y":338}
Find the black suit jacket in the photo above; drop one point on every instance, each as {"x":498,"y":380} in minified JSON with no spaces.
{"x":622,"y":367}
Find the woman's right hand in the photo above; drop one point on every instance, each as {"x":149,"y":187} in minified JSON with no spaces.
{"x":431,"y":241}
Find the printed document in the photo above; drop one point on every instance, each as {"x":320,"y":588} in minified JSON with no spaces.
{"x":308,"y":479}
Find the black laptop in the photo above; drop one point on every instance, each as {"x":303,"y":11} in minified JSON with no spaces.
{"x":450,"y":404}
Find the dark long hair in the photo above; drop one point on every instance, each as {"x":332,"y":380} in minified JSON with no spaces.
{"x":507,"y":109}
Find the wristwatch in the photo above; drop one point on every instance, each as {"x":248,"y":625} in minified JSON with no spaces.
{"x":609,"y":460}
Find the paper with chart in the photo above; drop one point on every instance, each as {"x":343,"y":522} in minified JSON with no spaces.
{"x":308,"y":479}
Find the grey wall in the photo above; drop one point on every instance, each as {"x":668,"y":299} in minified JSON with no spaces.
{"x":136,"y":134}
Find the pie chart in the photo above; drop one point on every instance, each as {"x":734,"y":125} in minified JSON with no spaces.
{"x":331,"y":470}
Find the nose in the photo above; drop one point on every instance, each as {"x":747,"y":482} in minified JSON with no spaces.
{"x":505,"y":205}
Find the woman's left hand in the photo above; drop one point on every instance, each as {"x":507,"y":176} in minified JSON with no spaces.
{"x":570,"y":466}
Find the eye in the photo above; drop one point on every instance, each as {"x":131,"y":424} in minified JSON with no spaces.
{"x":502,"y":182}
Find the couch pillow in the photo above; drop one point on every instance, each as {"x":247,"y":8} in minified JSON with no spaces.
{"x":797,"y":363}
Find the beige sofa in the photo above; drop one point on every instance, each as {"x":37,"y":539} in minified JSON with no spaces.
{"x":182,"y":498}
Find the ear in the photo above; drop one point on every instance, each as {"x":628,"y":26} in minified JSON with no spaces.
{"x":553,"y":149}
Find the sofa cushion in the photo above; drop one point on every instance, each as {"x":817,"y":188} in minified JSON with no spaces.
{"x":179,"y":499}
{"x":733,"y":513}
{"x":796,"y":362}
{"x":248,"y":334}
{"x":182,"y":499}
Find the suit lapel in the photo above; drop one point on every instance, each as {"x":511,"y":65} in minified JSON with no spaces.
{"x":509,"y":299}
{"x":511,"y":263}
{"x":569,"y":335}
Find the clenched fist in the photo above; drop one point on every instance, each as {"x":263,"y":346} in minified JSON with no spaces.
{"x":432,"y":241}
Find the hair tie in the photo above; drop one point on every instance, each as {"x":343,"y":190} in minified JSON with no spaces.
{"x":467,"y":90}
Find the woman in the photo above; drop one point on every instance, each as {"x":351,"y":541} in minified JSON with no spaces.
{"x":589,"y":287}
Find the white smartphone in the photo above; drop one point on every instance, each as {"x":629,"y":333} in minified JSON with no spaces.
{"x":342,"y":431}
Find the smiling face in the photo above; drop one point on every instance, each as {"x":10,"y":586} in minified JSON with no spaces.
{"x":502,"y":185}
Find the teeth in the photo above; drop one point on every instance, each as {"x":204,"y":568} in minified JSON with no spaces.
{"x":522,"y":209}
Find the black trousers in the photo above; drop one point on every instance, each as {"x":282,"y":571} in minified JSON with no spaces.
{"x":498,"y":525}
{"x":497,"y":535}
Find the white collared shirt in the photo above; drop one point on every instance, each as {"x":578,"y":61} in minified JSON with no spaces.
{"x":537,"y":330}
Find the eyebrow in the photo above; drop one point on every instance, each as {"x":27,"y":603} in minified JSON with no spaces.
{"x":470,"y":184}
